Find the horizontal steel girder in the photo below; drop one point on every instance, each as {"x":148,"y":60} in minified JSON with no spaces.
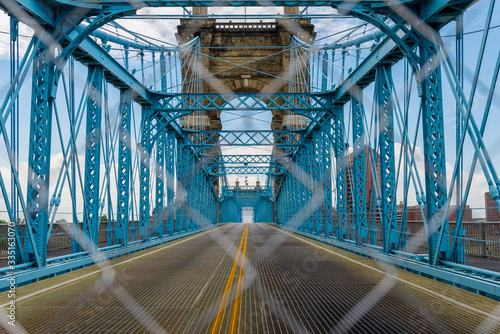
{"x":243,"y":159}
{"x":243,"y":101}
{"x":136,"y":4}
{"x":250,"y":170}
{"x":244,"y":138}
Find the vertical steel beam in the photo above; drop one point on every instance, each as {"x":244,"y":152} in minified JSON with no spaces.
{"x":459,"y":250}
{"x":324,"y":81}
{"x":181,"y":195}
{"x":434,"y":153}
{"x":359,"y":166}
{"x":384,"y":105}
{"x":341,"y":185}
{"x":327,"y":179}
{"x":309,"y":180}
{"x":93,"y":158}
{"x":301,"y":200}
{"x":163,"y":72}
{"x":124,"y":166}
{"x":42,"y":98}
{"x":145,"y":155}
{"x":159,"y":228}
{"x":170,"y":171}
{"x":318,"y":180}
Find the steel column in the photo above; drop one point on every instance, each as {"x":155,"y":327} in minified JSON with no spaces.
{"x":170,"y":171}
{"x":341,"y":163}
{"x":309,"y":159}
{"x":318,"y":173}
{"x":327,"y":179}
{"x":384,"y":105}
{"x":37,"y":201}
{"x":145,"y":154}
{"x":93,"y":158}
{"x":124,"y":166}
{"x":434,"y":153}
{"x":159,"y":228}
{"x":358,"y":183}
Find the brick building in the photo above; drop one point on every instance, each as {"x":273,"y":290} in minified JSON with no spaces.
{"x":492,"y":213}
{"x":413,"y":213}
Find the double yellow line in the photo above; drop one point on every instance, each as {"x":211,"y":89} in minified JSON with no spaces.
{"x":240,"y":258}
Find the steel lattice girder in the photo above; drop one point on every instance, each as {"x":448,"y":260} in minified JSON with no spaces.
{"x":145,"y":155}
{"x":136,"y":4}
{"x":93,"y":157}
{"x":243,"y":159}
{"x":434,"y":154}
{"x":124,"y":163}
{"x":387,"y":158}
{"x":359,"y":169}
{"x":244,"y":138}
{"x":252,"y":170}
{"x":159,"y":228}
{"x":170,"y":148}
{"x":188,"y":103}
{"x":341,"y":181}
{"x":39,"y":158}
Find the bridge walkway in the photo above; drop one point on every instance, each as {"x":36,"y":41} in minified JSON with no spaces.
{"x":249,"y":278}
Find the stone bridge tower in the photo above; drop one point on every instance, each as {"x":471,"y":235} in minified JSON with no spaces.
{"x":262,"y":70}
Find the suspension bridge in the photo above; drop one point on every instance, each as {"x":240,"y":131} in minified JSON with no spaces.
{"x":181,"y":167}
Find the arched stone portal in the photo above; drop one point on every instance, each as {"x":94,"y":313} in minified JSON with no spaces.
{"x":262,"y":53}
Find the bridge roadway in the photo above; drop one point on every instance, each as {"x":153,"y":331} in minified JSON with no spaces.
{"x":249,"y":278}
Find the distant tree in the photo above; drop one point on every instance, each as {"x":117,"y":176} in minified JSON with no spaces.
{"x":3,"y":222}
{"x":104,"y":218}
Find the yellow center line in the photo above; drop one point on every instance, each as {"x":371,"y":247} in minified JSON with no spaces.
{"x":220,"y":314}
{"x":237,"y":300}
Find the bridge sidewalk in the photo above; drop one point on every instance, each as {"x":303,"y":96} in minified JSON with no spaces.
{"x":248,"y":278}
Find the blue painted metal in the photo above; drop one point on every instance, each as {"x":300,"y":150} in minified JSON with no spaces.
{"x":384,"y":105}
{"x":170,"y":171}
{"x":92,"y":204}
{"x":159,"y":228}
{"x":318,"y":172}
{"x":190,"y":102}
{"x":434,"y":154}
{"x":124,"y":166}
{"x":144,"y":228}
{"x":137,"y":4}
{"x":341,"y":179}
{"x":184,"y":158}
{"x":283,"y":139}
{"x":37,"y":196}
{"x":327,"y":179}
{"x":359,"y":168}
{"x":309,"y":181}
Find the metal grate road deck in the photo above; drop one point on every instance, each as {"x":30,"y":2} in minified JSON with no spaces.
{"x":284,"y":284}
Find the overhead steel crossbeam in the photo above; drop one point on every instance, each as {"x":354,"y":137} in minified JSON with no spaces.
{"x":244,"y":138}
{"x":263,"y":191}
{"x":243,"y":159}
{"x":248,"y":170}
{"x":242,"y":101}
{"x":136,"y":4}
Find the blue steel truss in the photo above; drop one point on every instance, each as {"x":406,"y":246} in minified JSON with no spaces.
{"x":92,"y":203}
{"x":187,"y":103}
{"x":182,"y":173}
{"x":35,"y":248}
{"x":387,"y":159}
{"x":124,"y":166}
